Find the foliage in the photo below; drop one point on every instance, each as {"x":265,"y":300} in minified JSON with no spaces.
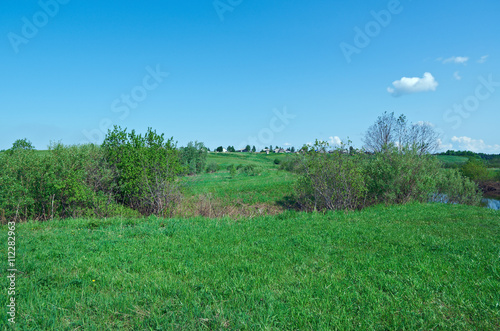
{"x":475,"y":169}
{"x":193,"y":157}
{"x":219,"y":149}
{"x":22,"y":144}
{"x":330,"y":180}
{"x":453,"y":187}
{"x":250,"y":170}
{"x":212,"y":167}
{"x":395,"y":177}
{"x":146,"y":168}
{"x":277,"y":161}
{"x":232,"y":170}
{"x":67,"y":181}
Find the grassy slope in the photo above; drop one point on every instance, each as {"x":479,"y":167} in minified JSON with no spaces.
{"x":268,"y":187}
{"x":402,"y":267}
{"x":451,"y":159}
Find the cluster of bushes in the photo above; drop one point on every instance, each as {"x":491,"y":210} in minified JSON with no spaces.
{"x":128,"y":175}
{"x":344,"y":181}
{"x":249,"y":169}
{"x":193,"y":158}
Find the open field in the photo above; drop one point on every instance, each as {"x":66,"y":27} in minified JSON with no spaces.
{"x":450,"y":159}
{"x":402,"y":267}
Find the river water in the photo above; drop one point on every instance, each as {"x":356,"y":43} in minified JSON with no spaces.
{"x":491,"y":203}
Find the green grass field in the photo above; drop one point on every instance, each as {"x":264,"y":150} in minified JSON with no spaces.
{"x":403,"y":267}
{"x":450,"y":159}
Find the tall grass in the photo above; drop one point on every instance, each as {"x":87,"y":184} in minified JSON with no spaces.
{"x":416,"y":266}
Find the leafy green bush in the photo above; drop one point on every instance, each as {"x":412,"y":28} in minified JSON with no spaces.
{"x":277,"y":161}
{"x":395,"y":177}
{"x":67,"y":181}
{"x":146,"y":169}
{"x":251,"y":170}
{"x":337,"y":180}
{"x":453,"y":187}
{"x":330,"y":180}
{"x":232,"y":170}
{"x":475,"y":169}
{"x":193,"y":157}
{"x":212,"y":167}
{"x":291,"y":164}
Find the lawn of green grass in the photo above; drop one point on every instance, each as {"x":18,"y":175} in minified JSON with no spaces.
{"x":269,"y":186}
{"x":415,"y":266}
{"x":451,"y":159}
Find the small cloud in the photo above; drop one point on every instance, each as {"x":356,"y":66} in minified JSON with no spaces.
{"x":335,"y":141}
{"x":475,"y":145}
{"x":457,"y":76}
{"x":444,"y":147}
{"x":483,"y":59}
{"x":287,"y":144}
{"x":457,"y":59}
{"x":408,"y":85}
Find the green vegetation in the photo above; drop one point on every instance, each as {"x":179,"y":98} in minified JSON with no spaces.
{"x":193,"y":157}
{"x":416,"y":266}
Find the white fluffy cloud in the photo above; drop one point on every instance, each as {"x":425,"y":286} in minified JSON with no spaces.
{"x":483,"y":59}
{"x":408,"y":85}
{"x":457,"y":76}
{"x":336,"y":141}
{"x":456,"y":59}
{"x":474,"y":145}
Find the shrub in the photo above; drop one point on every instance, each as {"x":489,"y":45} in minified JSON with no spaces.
{"x":453,"y":187}
{"x":193,"y":157}
{"x":395,"y":177}
{"x":330,"y":180}
{"x":291,"y":163}
{"x":67,"y":181}
{"x":250,"y":170}
{"x":475,"y":169}
{"x":146,"y":169}
{"x":232,"y":170}
{"x":212,"y":167}
{"x":277,"y":161}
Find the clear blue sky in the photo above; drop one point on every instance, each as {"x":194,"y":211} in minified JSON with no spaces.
{"x":233,"y":65}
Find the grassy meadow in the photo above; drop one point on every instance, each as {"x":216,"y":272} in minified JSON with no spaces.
{"x":403,"y":267}
{"x":413,"y":266}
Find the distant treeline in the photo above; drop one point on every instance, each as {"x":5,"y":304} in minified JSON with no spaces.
{"x":471,"y":154}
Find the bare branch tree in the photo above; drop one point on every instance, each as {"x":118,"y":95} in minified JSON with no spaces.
{"x":388,"y":131}
{"x":423,"y":138}
{"x":381,"y":134}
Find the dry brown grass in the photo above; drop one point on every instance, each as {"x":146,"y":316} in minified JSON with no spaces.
{"x":207,"y":205}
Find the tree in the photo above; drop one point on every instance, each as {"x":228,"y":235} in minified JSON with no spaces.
{"x":422,"y":137}
{"x":22,"y":144}
{"x":381,"y":134}
{"x":293,"y":149}
{"x":248,"y":148}
{"x":254,"y":149}
{"x":194,"y":157}
{"x":387,"y":132}
{"x":231,"y":149}
{"x":220,"y":149}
